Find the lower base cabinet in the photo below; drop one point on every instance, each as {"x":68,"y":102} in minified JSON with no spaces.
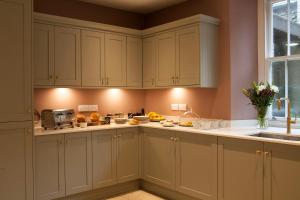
{"x":159,"y":157}
{"x":116,"y":156}
{"x":200,"y":166}
{"x":49,"y":167}
{"x":282,"y":172}
{"x":78,"y":162}
{"x":240,"y":169}
{"x":16,"y":161}
{"x":181,"y":161}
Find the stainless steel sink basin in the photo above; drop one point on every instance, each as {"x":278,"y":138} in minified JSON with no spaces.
{"x":277,"y":136}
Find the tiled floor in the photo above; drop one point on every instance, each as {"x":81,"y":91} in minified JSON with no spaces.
{"x":137,"y":195}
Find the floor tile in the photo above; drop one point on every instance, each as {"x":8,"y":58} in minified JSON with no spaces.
{"x":137,"y":195}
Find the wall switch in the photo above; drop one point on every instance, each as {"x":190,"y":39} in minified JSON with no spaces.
{"x":88,"y":108}
{"x":174,"y":106}
{"x":182,"y":107}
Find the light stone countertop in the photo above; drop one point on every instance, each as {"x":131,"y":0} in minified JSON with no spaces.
{"x":231,"y":132}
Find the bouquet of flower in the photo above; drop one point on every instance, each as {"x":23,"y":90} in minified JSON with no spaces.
{"x":261,"y":96}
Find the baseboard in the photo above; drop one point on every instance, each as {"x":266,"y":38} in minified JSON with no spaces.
{"x":164,"y":192}
{"x":106,"y":192}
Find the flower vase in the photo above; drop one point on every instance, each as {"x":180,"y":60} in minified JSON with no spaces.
{"x":261,"y":117}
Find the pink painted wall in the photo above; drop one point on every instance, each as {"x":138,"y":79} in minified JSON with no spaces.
{"x":108,"y":100}
{"x":243,"y":55}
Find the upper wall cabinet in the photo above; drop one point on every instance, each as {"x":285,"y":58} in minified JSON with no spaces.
{"x":134,"y":62}
{"x":15,"y":61}
{"x":182,"y":57}
{"x":87,"y":54}
{"x":43,"y":54}
{"x":165,"y":54}
{"x":56,"y":56}
{"x":67,"y":57}
{"x":149,"y":64}
{"x":92,"y":55}
{"x":115,"y":60}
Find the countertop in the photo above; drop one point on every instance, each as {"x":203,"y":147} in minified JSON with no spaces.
{"x":231,"y":132}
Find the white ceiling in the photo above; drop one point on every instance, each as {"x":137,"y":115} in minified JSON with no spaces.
{"x":138,"y":6}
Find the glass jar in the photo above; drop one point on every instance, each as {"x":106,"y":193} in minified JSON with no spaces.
{"x":189,"y":119}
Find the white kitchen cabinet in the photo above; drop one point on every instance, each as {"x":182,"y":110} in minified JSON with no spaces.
{"x":282,"y":175}
{"x":43,"y":61}
{"x":159,"y":157}
{"x":149,"y":62}
{"x":134,"y":62}
{"x":92,"y":55}
{"x":188,"y":56}
{"x":78,"y":162}
{"x":240,"y":169}
{"x":165,"y":59}
{"x":197,"y":165}
{"x":104,"y":158}
{"x":67,"y":60}
{"x":16,"y":169}
{"x":116,"y":156}
{"x":115,"y":60}
{"x":15,"y":60}
{"x":49,"y":167}
{"x":128,"y":154}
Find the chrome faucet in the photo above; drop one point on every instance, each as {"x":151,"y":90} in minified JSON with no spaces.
{"x":289,"y":120}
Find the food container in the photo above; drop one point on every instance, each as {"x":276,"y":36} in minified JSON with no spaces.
{"x":189,"y":119}
{"x":120,"y":120}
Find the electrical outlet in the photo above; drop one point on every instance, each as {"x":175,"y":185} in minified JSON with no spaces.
{"x":182,"y":107}
{"x":93,"y":108}
{"x":83,"y":108}
{"x":88,"y":108}
{"x":174,"y":106}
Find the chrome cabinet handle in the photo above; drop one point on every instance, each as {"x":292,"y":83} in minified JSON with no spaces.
{"x":56,"y":77}
{"x":50,"y":77}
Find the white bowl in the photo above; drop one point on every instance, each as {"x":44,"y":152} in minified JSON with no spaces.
{"x":120,"y":120}
{"x":141,"y":118}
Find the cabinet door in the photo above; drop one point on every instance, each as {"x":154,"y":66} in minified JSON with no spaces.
{"x":188,"y":56}
{"x":16,"y":161}
{"x":165,"y":53}
{"x":149,"y":62}
{"x":67,"y":57}
{"x":197,"y":165}
{"x":159,"y":157}
{"x":134,"y":62}
{"x":43,"y":61}
{"x":282,"y":175}
{"x":240,"y":167}
{"x":78,"y":161}
{"x":104,"y":158}
{"x":15,"y":60}
{"x":115,"y":60}
{"x":92,"y":55}
{"x":128,"y":154}
{"x":49,"y":167}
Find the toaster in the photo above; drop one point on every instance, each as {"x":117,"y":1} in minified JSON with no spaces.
{"x":58,"y":119}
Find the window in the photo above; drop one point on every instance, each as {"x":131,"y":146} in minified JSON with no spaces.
{"x":283,"y":51}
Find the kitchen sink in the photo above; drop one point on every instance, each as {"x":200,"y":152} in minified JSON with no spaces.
{"x":277,"y":136}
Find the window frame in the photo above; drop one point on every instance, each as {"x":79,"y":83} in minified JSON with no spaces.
{"x":265,"y":48}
